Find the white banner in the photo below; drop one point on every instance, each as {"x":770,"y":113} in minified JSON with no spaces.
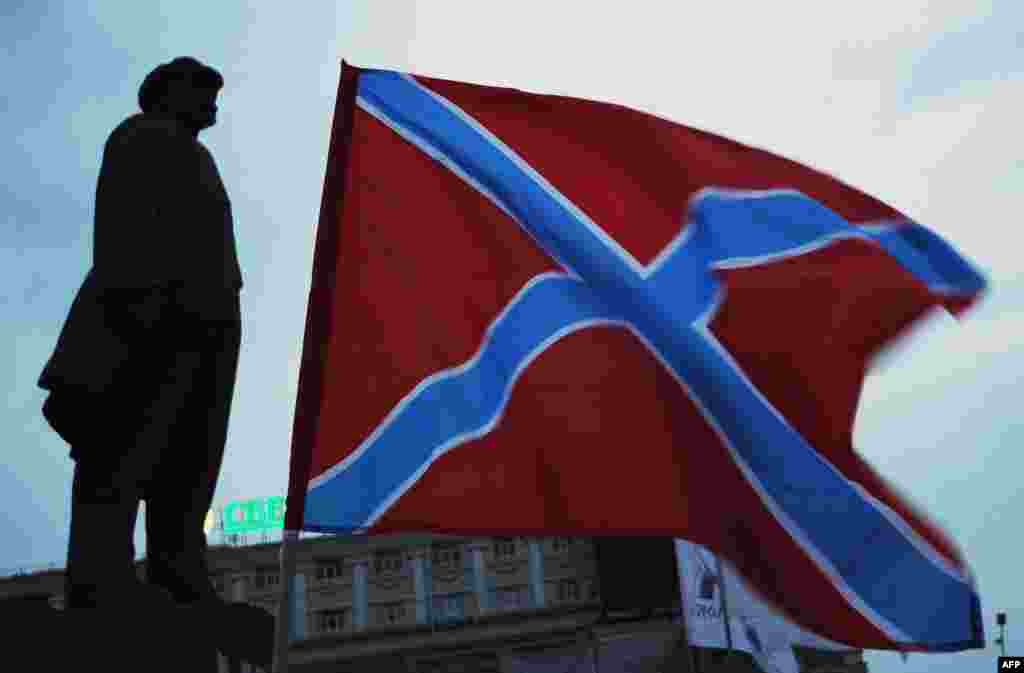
{"x":754,"y":626}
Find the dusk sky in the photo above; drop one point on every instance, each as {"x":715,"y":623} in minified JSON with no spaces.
{"x":918,"y":102}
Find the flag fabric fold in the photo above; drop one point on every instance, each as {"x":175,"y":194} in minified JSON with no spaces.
{"x":539,"y":315}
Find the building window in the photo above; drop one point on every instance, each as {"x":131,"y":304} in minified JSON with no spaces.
{"x":447,"y":556}
{"x":328,"y":570}
{"x":390,"y":562}
{"x":504,"y":548}
{"x":568,"y":590}
{"x":332,"y":621}
{"x":263,"y":580}
{"x":560,"y":545}
{"x":394,"y":613}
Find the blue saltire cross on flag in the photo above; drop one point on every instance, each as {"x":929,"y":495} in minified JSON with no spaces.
{"x":537,"y":315}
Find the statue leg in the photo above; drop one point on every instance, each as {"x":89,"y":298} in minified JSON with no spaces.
{"x":181,"y":491}
{"x":100,"y":569}
{"x":101,"y":549}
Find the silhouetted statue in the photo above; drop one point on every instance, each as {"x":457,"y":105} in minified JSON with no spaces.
{"x":143,"y":374}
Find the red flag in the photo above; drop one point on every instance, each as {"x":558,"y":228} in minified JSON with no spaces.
{"x":537,"y":315}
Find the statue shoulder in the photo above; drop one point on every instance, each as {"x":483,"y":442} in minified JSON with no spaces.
{"x":146,"y":131}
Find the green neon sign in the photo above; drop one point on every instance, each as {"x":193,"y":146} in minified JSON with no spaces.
{"x":254,"y":514}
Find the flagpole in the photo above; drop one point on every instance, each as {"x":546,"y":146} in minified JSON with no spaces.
{"x":319,"y":321}
{"x":682,"y":613}
{"x":725,"y":606}
{"x":283,"y":624}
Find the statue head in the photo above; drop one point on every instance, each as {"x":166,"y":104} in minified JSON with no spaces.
{"x":184,"y":89}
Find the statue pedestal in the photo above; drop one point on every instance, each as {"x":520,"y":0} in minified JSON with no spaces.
{"x":179,"y":639}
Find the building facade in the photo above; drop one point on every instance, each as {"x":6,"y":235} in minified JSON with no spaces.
{"x":439,"y":604}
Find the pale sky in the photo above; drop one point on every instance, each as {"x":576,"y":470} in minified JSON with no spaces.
{"x":916,"y":101}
